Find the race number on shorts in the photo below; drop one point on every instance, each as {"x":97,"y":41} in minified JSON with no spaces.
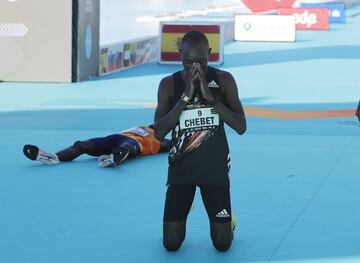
{"x":199,"y":119}
{"x":137,"y":131}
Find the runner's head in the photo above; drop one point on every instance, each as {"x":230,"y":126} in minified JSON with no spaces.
{"x":194,"y":49}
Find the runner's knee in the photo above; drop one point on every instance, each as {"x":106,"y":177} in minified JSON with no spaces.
{"x":221,"y":235}
{"x":174,"y":235}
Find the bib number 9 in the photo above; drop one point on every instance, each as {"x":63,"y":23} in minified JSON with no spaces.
{"x":199,"y":119}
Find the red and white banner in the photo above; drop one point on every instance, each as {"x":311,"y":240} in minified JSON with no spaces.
{"x":308,"y":18}
{"x":172,"y":32}
{"x":258,"y":6}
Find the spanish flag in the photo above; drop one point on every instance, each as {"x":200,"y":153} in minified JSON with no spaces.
{"x":173,"y":33}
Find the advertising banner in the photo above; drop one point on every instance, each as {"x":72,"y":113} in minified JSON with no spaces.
{"x":171,"y":34}
{"x":336,"y":10}
{"x":123,"y":55}
{"x":265,"y":28}
{"x":36,"y":41}
{"x":308,"y":18}
{"x":228,"y":22}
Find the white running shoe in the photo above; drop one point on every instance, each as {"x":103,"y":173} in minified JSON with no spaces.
{"x":117,"y":157}
{"x":34,"y":153}
{"x":106,"y":161}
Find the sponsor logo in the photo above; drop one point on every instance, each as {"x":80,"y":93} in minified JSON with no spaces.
{"x":88,"y":41}
{"x":265,"y":28}
{"x":223,"y":213}
{"x":308,"y":18}
{"x":335,"y":13}
{"x":336,"y":10}
{"x":13,"y":30}
{"x":213,"y":84}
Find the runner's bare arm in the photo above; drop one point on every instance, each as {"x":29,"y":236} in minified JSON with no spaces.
{"x":231,"y":111}
{"x":165,"y":116}
{"x":165,"y":146}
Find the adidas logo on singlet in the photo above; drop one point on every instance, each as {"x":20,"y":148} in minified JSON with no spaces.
{"x":213,"y":84}
{"x":223,"y":213}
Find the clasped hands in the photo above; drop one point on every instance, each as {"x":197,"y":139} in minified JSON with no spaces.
{"x":196,"y":80}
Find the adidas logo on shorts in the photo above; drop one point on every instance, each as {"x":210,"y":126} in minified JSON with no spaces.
{"x":223,"y":213}
{"x":213,"y":84}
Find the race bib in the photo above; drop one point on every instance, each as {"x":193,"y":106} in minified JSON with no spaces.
{"x":137,"y":131}
{"x":199,"y":119}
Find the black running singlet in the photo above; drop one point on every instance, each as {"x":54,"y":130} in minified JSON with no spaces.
{"x":200,"y":152}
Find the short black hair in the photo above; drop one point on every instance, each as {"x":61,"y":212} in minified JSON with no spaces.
{"x":194,"y":37}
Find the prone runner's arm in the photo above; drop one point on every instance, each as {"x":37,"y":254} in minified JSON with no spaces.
{"x":165,"y":116}
{"x":232,"y":112}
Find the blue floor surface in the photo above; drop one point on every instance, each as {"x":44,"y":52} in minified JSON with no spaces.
{"x":294,"y":183}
